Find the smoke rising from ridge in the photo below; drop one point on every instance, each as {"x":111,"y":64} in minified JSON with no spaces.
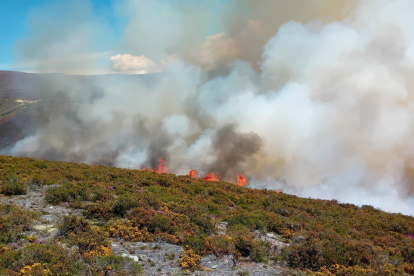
{"x":328,"y":110}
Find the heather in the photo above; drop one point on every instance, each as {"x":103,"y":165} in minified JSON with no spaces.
{"x":324,"y":237}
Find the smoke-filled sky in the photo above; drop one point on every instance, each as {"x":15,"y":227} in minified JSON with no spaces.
{"x":318,"y":100}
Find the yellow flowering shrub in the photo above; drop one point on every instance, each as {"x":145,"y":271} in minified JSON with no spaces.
{"x":129,"y":231}
{"x":35,"y":270}
{"x":190,"y":260}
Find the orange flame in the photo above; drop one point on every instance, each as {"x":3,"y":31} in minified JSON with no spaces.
{"x":211,"y":177}
{"x":241,"y":180}
{"x":161,"y":166}
{"x":192,"y":174}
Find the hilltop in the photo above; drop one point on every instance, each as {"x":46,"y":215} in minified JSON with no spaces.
{"x":78,"y":219}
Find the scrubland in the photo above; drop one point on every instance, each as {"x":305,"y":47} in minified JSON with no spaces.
{"x":320,"y":237}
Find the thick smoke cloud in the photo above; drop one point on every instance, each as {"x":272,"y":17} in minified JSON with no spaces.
{"x":232,"y":150}
{"x":327,"y":112}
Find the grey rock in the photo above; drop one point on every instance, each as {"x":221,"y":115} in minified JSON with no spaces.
{"x":222,"y":228}
{"x":49,"y":218}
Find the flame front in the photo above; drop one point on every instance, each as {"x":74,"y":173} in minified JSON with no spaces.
{"x":211,"y":177}
{"x":161,"y":166}
{"x":192,"y":174}
{"x":241,"y":180}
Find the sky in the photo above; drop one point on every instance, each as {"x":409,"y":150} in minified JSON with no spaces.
{"x":16,"y":25}
{"x":140,"y":36}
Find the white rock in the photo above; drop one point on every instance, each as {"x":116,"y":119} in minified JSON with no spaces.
{"x":135,"y":258}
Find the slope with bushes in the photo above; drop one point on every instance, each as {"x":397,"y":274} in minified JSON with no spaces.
{"x":324,"y":237}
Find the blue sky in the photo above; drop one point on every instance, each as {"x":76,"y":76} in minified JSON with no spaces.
{"x":14,"y":13}
{"x":26,"y":23}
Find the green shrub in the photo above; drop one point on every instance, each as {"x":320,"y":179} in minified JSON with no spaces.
{"x":90,"y":240}
{"x":13,"y":221}
{"x":101,"y":210}
{"x":13,"y":186}
{"x":40,"y":259}
{"x":118,"y":263}
{"x":68,"y":192}
{"x":123,"y":204}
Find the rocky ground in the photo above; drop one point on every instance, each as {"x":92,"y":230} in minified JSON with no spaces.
{"x":156,"y":258}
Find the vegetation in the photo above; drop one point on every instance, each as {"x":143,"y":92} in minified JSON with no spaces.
{"x":326,"y":237}
{"x":25,"y":255}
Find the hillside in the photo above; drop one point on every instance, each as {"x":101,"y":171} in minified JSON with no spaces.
{"x":61,"y":218}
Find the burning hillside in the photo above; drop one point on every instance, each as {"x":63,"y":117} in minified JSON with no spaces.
{"x":162,"y":168}
{"x":318,"y":105}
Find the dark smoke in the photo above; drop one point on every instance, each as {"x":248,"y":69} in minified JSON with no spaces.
{"x":233,"y":151}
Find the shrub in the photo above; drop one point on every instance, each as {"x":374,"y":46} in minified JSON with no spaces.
{"x":123,"y":204}
{"x":13,"y":221}
{"x":40,"y":259}
{"x":118,"y":264}
{"x":90,"y":240}
{"x":101,"y":210}
{"x":217,"y":245}
{"x":68,"y":192}
{"x":129,"y":231}
{"x":190,"y":260}
{"x":13,"y":186}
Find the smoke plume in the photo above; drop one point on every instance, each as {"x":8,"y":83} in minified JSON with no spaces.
{"x":319,"y":101}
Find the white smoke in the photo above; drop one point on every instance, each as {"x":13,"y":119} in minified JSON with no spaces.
{"x":332,"y":103}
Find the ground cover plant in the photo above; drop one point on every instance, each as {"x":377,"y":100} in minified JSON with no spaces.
{"x":325,"y":237}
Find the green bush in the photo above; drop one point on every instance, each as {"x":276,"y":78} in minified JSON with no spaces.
{"x":123,"y":204}
{"x":88,"y":239}
{"x":118,"y":263}
{"x":68,"y":192}
{"x":40,"y":259}
{"x":13,"y":221}
{"x":13,"y":186}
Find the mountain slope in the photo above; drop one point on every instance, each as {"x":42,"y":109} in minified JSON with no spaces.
{"x":259,"y":229}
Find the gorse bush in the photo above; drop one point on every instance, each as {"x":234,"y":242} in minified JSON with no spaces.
{"x":325,"y":236}
{"x":68,"y":192}
{"x":53,"y":259}
{"x":13,"y":186}
{"x":40,"y":259}
{"x":90,"y":240}
{"x":14,"y":221}
{"x":121,"y":265}
{"x":190,"y":260}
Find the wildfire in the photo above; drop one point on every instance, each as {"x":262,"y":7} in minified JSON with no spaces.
{"x":162,"y":168}
{"x":241,"y":180}
{"x":211,"y":177}
{"x":192,"y":174}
